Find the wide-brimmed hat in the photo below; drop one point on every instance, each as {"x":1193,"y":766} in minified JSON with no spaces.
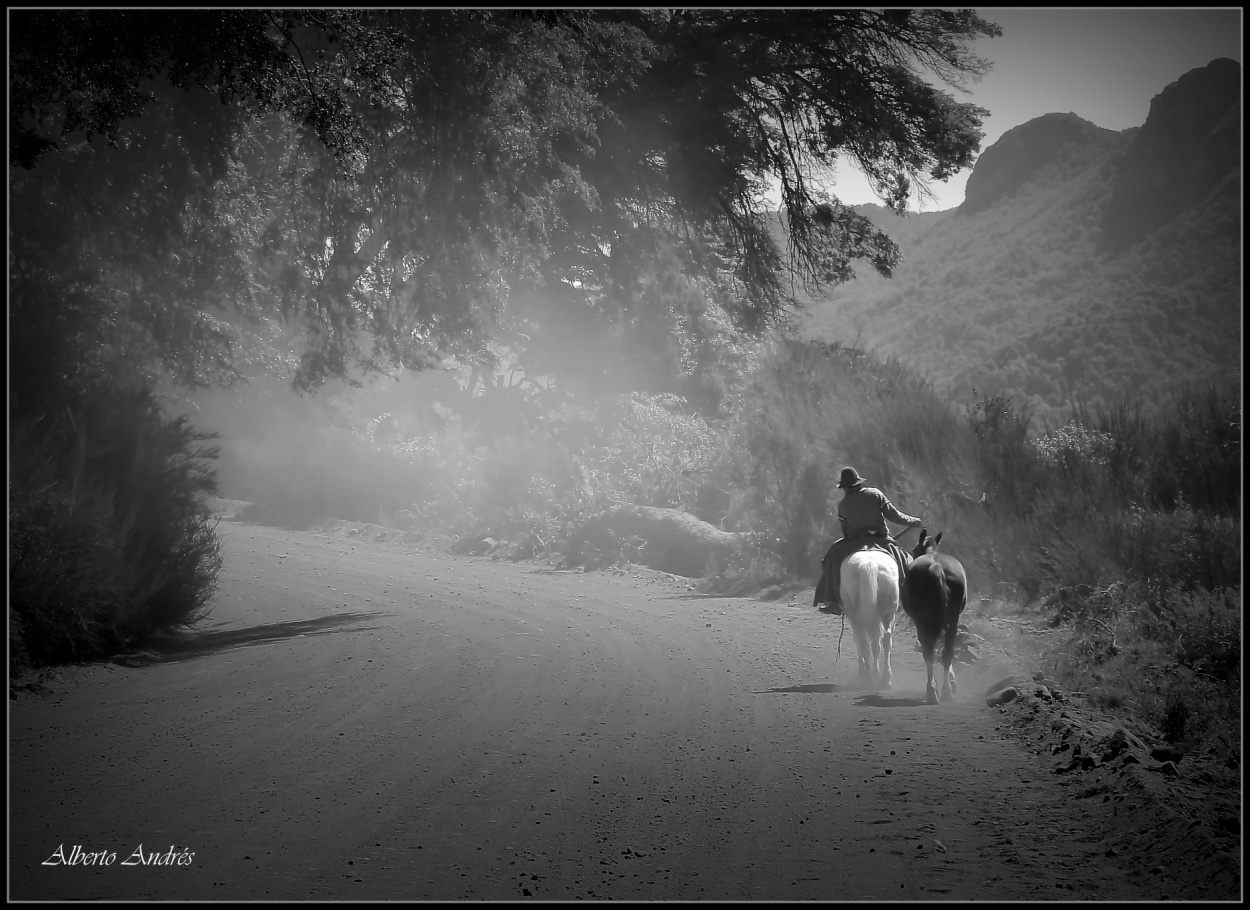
{"x":850,"y":478}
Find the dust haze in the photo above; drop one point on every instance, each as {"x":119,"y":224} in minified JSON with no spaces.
{"x":438,"y":449}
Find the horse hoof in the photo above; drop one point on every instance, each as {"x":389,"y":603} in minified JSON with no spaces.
{"x":930,"y":696}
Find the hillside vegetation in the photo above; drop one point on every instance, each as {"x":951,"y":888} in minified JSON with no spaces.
{"x":1041,"y":287}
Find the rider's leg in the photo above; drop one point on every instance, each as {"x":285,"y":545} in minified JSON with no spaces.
{"x":835,"y":557}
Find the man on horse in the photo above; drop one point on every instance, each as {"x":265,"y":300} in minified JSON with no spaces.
{"x":862,"y":513}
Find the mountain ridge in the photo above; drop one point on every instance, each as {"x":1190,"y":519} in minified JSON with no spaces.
{"x":1054,"y":282}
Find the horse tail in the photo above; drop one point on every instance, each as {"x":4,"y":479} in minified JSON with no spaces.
{"x":869,"y":585}
{"x":871,"y":591}
{"x":884,"y":588}
{"x":861,"y":586}
{"x":853,"y":587}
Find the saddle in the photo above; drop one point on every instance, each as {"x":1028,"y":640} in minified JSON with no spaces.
{"x":826,"y":592}
{"x":872,"y":542}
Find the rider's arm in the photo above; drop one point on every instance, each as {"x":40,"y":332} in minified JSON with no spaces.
{"x":894,"y":515}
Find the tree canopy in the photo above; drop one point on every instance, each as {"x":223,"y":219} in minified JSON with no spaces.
{"x":200,"y":192}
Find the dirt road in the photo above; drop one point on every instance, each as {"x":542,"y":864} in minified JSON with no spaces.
{"x":357,"y":721}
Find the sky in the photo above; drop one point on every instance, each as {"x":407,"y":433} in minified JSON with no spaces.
{"x":1104,"y":65}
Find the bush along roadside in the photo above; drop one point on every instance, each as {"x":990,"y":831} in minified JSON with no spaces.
{"x":111,"y":539}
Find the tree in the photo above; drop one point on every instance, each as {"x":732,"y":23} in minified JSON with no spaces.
{"x":128,"y":180}
{"x":402,"y":185}
{"x":681,"y":154}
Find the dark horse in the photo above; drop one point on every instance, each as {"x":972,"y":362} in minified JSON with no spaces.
{"x":935,"y":593}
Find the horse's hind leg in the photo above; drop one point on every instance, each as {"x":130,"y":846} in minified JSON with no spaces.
{"x":864,"y":658}
{"x":887,"y":639}
{"x":948,"y":658}
{"x":930,"y":687}
{"x":874,"y":642}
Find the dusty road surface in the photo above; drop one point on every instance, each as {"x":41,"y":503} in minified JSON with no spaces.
{"x":361,"y":721}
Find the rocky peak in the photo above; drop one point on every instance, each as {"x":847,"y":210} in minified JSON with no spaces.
{"x":1021,"y":152}
{"x":1190,"y":143}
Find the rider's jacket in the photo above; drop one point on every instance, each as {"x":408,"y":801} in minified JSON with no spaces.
{"x":864,"y":511}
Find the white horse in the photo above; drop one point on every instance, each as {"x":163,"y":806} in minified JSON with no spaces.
{"x":870,"y":601}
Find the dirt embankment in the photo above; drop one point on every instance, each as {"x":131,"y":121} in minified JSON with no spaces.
{"x":1177,"y":815}
{"x":362,"y":719}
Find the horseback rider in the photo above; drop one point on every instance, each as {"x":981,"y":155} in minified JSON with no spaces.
{"x":862,"y":513}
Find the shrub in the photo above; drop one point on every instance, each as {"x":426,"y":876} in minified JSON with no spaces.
{"x":809,"y":409}
{"x":1168,"y":657}
{"x":111,"y":538}
{"x":1207,"y":628}
{"x":1089,"y":500}
{"x":1011,"y":470}
{"x":62,"y":583}
{"x":445,"y":473}
{"x":1175,"y":718}
{"x":648,"y":450}
{"x":1197,"y":453}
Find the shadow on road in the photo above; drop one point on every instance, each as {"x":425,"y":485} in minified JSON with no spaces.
{"x":812,"y":687}
{"x":880,"y":701}
{"x":198,"y":644}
